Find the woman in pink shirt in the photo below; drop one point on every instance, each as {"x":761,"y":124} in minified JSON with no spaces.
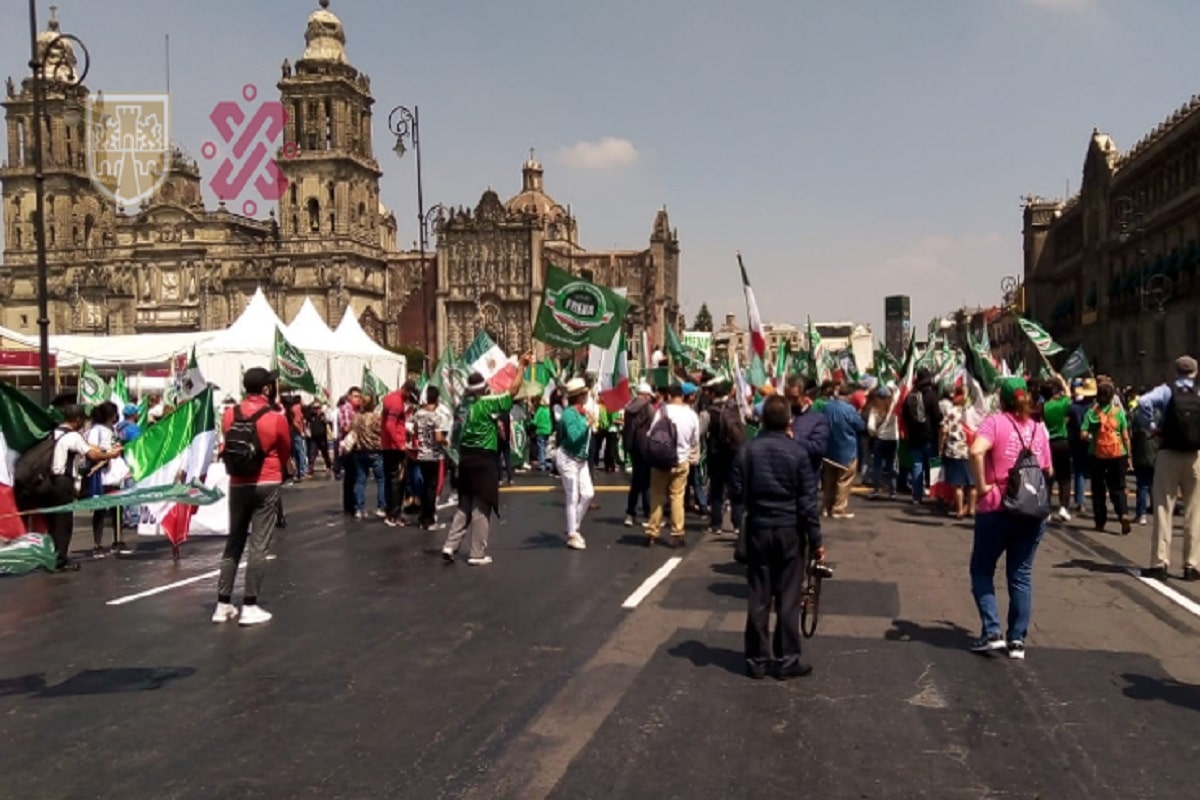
{"x":997,"y":446}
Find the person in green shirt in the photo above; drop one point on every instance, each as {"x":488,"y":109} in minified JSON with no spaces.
{"x":1054,"y":415}
{"x":543,"y":426}
{"x":478,"y":466}
{"x":1107,"y":433}
{"x":574,"y":446}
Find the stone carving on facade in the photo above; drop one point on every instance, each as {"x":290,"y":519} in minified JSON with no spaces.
{"x":285,"y":275}
{"x":58,"y":286}
{"x":170,"y":290}
{"x":6,"y":287}
{"x":287,"y":68}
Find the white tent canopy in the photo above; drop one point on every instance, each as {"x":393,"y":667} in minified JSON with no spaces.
{"x":71,"y":350}
{"x":357,"y":350}
{"x":248,"y":342}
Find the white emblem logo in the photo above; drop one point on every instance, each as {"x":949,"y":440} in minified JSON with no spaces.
{"x":128,"y":145}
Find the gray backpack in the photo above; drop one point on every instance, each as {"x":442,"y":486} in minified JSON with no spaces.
{"x":1027,"y":494}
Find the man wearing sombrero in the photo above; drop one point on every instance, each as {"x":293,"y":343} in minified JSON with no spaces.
{"x":574,"y":437}
{"x":478,"y":466}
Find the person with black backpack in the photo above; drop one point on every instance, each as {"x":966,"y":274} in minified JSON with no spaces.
{"x":1012,"y":465}
{"x":44,"y":477}
{"x":726,"y":435}
{"x":674,"y":434}
{"x":256,"y":451}
{"x":1176,"y":467}
{"x":638,"y":416}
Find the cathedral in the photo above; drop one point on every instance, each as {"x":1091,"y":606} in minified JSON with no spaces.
{"x":171,"y":264}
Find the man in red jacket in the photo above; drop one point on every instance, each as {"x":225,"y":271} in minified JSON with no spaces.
{"x":253,"y":497}
{"x":393,"y":440}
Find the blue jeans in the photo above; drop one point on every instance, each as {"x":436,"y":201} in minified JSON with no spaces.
{"x":1145,"y":481}
{"x":369,"y":462}
{"x":699,"y":496}
{"x":539,"y":452}
{"x":920,"y":455}
{"x":884,"y":464}
{"x":1081,"y":467}
{"x":300,"y":451}
{"x":718,"y":479}
{"x":1001,"y":534}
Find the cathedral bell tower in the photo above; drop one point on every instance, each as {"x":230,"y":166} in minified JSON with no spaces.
{"x":333,"y":178}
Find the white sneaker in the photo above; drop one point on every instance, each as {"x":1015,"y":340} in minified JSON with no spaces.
{"x":1063,"y":514}
{"x":379,"y":512}
{"x":628,"y":521}
{"x":225,"y":612}
{"x":480,"y":562}
{"x":1143,"y":520}
{"x":1016,"y":650}
{"x":254,"y":615}
{"x":576,"y":542}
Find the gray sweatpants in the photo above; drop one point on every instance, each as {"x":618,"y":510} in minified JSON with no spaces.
{"x":469,"y":518}
{"x":253,"y":512}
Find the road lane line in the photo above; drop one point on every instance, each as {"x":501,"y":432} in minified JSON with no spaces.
{"x":1187,"y":603}
{"x":120,"y":601}
{"x":648,"y":585}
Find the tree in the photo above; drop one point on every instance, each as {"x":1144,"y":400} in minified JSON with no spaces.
{"x":703,"y":321}
{"x":415,"y":358}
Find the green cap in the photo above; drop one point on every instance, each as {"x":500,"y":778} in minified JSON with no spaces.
{"x":1012,"y":389}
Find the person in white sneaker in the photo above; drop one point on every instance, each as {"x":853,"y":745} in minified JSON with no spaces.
{"x":258,"y":444}
{"x":574,"y":441}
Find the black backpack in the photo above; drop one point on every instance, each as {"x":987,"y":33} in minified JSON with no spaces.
{"x":1027,"y":494}
{"x":662,"y":443}
{"x":731,"y":427}
{"x":1181,"y":421}
{"x":32,"y":473}
{"x":243,"y":453}
{"x":916,"y":408}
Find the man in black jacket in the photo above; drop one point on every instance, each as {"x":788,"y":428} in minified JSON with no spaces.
{"x":638,"y":416}
{"x":726,"y":435}
{"x":922,"y":423}
{"x":810,"y":428}
{"x":776,"y":482}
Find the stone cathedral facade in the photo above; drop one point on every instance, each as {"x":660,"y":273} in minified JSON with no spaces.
{"x":172,"y":264}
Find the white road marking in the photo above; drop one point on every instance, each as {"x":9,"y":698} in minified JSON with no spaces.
{"x":654,"y":580}
{"x":120,"y":601}
{"x":1178,"y":598}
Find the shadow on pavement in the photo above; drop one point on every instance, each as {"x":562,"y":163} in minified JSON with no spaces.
{"x":920,"y":519}
{"x":1168,"y":690}
{"x":942,"y":634}
{"x":702,"y":655}
{"x":732,"y":568}
{"x":26,"y":684}
{"x":1092,"y":566}
{"x":540,"y":541}
{"x":113,"y":681}
{"x":738,"y":591}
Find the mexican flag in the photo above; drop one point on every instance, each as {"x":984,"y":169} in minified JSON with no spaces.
{"x":758,"y":340}
{"x":178,"y":449}
{"x":614,"y":384}
{"x":93,"y":390}
{"x":485,"y":357}
{"x":23,"y":423}
{"x":189,"y":382}
{"x":289,"y":361}
{"x":781,"y":363}
{"x":372,"y":385}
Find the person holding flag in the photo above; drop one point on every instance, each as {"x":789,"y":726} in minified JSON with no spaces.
{"x":574,"y":436}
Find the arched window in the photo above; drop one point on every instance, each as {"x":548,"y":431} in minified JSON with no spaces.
{"x":293,"y":195}
{"x":17,"y":235}
{"x":332,"y":197}
{"x":314,"y":214}
{"x":362,"y":213}
{"x":328,"y":124}
{"x":295,"y":223}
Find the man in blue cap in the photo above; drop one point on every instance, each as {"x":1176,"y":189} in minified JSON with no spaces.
{"x":127,"y":429}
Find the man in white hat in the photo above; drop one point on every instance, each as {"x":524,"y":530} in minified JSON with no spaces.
{"x":571,"y":459}
{"x":638,"y":416}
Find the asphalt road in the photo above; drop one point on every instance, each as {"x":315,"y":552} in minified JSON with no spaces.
{"x":387,"y":674}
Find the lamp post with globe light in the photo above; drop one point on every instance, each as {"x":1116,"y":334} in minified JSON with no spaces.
{"x":405,"y":125}
{"x":54,"y":58}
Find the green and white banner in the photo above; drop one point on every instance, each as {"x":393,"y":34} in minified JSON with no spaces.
{"x":700,"y":342}
{"x":576,"y":313}
{"x":1040,"y":338}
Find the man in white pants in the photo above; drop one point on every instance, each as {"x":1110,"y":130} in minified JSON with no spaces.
{"x":574,"y":437}
{"x":1177,"y":467}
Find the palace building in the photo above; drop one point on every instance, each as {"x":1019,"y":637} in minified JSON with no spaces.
{"x":1114,"y":268}
{"x":172,"y":264}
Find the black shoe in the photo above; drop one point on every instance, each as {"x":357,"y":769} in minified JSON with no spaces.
{"x":756,"y":671}
{"x":650,"y":540}
{"x":121,"y":547}
{"x":1191,"y":574}
{"x":1157,"y":573}
{"x":796,"y":671}
{"x":69,"y":565}
{"x":678,"y":542}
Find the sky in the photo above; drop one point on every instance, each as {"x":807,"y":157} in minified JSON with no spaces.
{"x":850,"y":150}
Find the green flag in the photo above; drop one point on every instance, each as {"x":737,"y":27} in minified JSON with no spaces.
{"x":1076,"y":365}
{"x":781,"y":361}
{"x":1041,"y":340}
{"x":756,"y":373}
{"x":185,"y":494}
{"x":689,"y":358}
{"x":120,"y":395}
{"x":371,"y":383}
{"x":576,"y":313}
{"x":93,"y":390}
{"x":450,"y":377}
{"x":292,"y":366}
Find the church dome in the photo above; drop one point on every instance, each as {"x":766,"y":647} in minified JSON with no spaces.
{"x":533,"y":198}
{"x":325,"y":36}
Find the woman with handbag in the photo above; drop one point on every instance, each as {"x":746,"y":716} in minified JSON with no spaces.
{"x":1011,"y":462}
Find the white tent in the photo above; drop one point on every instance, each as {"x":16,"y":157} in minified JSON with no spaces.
{"x":310,"y":333}
{"x":357,"y":350}
{"x":248,"y":342}
{"x":154,"y":349}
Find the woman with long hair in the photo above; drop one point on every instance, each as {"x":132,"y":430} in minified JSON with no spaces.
{"x":104,"y":477}
{"x":368,"y":457}
{"x":999,"y":443}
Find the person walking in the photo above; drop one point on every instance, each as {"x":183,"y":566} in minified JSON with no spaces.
{"x":318,"y":441}
{"x":668,"y":482}
{"x":1106,"y":430}
{"x":431,"y":430}
{"x":347,"y":411}
{"x":104,"y":476}
{"x":393,"y":444}
{"x":1055,"y":410}
{"x":368,"y":458}
{"x":543,"y":426}
{"x":256,"y":451}
{"x":777,"y":485}
{"x":574,"y":438}
{"x":922,"y":419}
{"x":639,"y":414}
{"x":1081,"y":460}
{"x":999,"y":443}
{"x":298,"y":422}
{"x":956,"y":466}
{"x":726,"y":436}
{"x":840,"y":464}
{"x":478,"y":466}
{"x":1176,"y":468}
{"x":884,"y":427}
{"x":1144,"y":446}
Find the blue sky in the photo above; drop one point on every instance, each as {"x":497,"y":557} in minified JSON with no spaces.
{"x":849,"y":149}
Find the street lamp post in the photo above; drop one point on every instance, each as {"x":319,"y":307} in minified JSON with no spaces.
{"x":53,"y":56}
{"x":405,"y":125}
